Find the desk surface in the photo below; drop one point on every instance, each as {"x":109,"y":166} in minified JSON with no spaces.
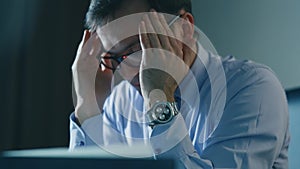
{"x":88,"y":158}
{"x":112,"y":151}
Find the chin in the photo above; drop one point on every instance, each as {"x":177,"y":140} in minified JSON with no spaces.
{"x":137,"y":87}
{"x":135,"y":82}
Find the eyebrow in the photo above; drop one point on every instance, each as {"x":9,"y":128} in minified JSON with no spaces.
{"x":134,"y":43}
{"x":125,"y":48}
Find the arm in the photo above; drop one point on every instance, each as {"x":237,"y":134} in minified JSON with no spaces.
{"x":252,"y":133}
{"x":172,"y":140}
{"x":165,"y":63}
{"x":94,"y":131}
{"x":91,"y":85}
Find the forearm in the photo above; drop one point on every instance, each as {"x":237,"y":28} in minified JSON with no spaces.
{"x":86,"y":109}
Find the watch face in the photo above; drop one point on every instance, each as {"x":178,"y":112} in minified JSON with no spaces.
{"x":163,"y":113}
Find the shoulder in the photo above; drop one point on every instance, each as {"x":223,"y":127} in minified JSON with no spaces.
{"x":244,"y":75}
{"x":254,"y":90}
{"x":237,"y":67}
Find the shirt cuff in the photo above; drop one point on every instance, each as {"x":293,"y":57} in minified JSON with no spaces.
{"x":164,"y":137}
{"x":172,"y":140}
{"x":77,"y":136}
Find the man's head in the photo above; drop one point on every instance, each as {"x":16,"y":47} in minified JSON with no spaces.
{"x":103,"y":11}
{"x":120,"y":35}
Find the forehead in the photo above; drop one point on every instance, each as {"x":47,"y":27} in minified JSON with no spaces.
{"x":123,"y":45}
{"x":120,"y":32}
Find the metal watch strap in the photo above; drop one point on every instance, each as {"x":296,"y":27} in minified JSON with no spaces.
{"x":162,"y":112}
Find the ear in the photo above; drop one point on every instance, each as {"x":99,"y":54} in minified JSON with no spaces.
{"x":188,"y":26}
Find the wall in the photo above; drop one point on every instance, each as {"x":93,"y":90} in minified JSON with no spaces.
{"x":266,"y":31}
{"x":37,"y":47}
{"x":294,"y":109}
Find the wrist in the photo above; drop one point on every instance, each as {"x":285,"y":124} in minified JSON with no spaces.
{"x":161,"y":113}
{"x":85,"y":110}
{"x":158,"y":95}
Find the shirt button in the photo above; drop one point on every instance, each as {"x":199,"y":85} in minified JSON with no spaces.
{"x":81,"y":143}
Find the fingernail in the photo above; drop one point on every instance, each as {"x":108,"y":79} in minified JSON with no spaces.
{"x":102,"y":66}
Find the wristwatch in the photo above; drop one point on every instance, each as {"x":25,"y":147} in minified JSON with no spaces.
{"x":161,"y":113}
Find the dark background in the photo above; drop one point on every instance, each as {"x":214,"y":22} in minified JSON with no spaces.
{"x":39,"y":39}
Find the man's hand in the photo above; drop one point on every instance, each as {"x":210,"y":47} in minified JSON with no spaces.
{"x":165,"y":60}
{"x":91,"y":84}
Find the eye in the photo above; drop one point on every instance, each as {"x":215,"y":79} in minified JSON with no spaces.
{"x":119,"y":59}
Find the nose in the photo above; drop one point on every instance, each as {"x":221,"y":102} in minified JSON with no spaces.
{"x":128,"y":71}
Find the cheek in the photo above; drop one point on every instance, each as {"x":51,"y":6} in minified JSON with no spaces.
{"x":128,"y":72}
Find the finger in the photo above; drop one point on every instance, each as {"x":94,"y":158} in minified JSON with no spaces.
{"x":80,"y":49}
{"x":144,"y":39}
{"x":145,"y":42}
{"x":176,"y":39}
{"x":92,"y":46}
{"x":165,"y":25}
{"x":156,"y":22}
{"x":88,"y":49}
{"x":161,"y":31}
{"x":107,"y":63}
{"x":174,"y":33}
{"x":153,"y":38}
{"x":168,"y":41}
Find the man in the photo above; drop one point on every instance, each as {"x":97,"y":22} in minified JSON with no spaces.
{"x":176,"y":96}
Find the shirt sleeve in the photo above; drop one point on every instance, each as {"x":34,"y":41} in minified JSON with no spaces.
{"x":171,"y":140}
{"x":93,"y":132}
{"x":78,"y":138}
{"x":253,"y":131}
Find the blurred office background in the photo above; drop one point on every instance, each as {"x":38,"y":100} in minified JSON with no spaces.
{"x":38,"y":42}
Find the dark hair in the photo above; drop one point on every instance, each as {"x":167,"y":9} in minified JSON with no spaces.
{"x":99,"y":10}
